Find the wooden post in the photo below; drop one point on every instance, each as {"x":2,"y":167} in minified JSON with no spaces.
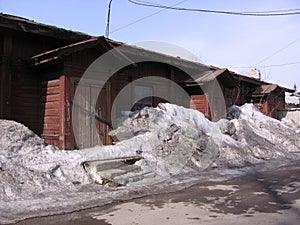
{"x":207,"y":107}
{"x":65,"y":141}
{"x":171,"y":88}
{"x":108,"y":113}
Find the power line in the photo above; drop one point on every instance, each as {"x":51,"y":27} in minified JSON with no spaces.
{"x":276,"y":11}
{"x":278,"y":51}
{"x":287,"y":12}
{"x":145,"y":17}
{"x":274,"y":65}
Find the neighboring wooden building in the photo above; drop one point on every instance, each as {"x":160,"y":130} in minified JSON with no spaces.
{"x":20,"y":89}
{"x":269,"y":98}
{"x":199,"y":96}
{"x":41,"y":67}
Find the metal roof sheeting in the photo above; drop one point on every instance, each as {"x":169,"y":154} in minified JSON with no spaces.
{"x":265,"y":89}
{"x":206,"y":76}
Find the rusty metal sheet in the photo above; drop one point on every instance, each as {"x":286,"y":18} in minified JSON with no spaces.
{"x":265,"y":89}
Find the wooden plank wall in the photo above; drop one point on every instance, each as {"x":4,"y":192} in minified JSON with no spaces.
{"x":50,"y":103}
{"x":26,"y":45}
{"x":25,"y":101}
{"x":1,"y":91}
{"x":275,"y":101}
{"x":129,"y":74}
{"x":2,"y":58}
{"x":6,"y":75}
{"x":200,"y":103}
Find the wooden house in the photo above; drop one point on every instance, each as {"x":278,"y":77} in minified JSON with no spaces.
{"x":43,"y":66}
{"x":20,"y":89}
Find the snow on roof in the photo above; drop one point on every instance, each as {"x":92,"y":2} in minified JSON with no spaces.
{"x":292,"y":99}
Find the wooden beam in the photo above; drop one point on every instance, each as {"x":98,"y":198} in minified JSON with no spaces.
{"x":108,"y":139}
{"x":171,"y":88}
{"x":64,"y":113}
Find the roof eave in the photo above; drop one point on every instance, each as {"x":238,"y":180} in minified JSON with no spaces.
{"x":29,"y":26}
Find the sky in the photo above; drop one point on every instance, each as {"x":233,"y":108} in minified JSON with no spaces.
{"x":271,"y":44}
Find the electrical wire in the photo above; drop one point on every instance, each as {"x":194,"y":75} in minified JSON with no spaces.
{"x":275,"y":65}
{"x":287,"y":12}
{"x":278,"y":51}
{"x":144,"y":18}
{"x":276,"y":11}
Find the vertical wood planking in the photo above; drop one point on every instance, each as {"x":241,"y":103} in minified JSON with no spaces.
{"x":51,"y":111}
{"x":5,"y":109}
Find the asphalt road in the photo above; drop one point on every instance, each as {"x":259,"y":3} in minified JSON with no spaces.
{"x":271,"y":197}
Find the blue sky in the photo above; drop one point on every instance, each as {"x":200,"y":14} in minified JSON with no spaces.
{"x":220,"y":40}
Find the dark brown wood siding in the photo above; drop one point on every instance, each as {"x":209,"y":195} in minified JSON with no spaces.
{"x":25,"y":101}
{"x":200,"y":103}
{"x":50,"y":109}
{"x":275,"y":101}
{"x":26,"y":45}
{"x":21,"y":95}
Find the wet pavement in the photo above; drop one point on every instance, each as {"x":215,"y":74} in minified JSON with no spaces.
{"x":269,"y":197}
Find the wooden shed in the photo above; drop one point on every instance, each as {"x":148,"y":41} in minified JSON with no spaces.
{"x":42,"y":67}
{"x":200,"y":99}
{"x":269,"y":98}
{"x":61,"y":70}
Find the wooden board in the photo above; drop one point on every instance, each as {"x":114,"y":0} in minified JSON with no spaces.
{"x":50,"y":103}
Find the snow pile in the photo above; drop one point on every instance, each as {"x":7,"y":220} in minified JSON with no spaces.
{"x":29,"y":166}
{"x":37,"y":177}
{"x":171,"y":139}
{"x":259,"y":137}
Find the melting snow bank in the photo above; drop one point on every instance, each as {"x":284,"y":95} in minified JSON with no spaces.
{"x":258,"y":137}
{"x":176,"y":144}
{"x":173,"y":139}
{"x":29,"y":166}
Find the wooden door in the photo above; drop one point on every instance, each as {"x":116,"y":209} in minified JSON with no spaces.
{"x":92,"y":124}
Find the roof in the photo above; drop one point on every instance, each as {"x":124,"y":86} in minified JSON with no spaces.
{"x":57,"y":53}
{"x":127,"y":50}
{"x":264,"y":90}
{"x":81,"y":41}
{"x":30,"y":26}
{"x":247,"y":79}
{"x":206,"y":76}
{"x":255,"y":81}
{"x":214,"y":73}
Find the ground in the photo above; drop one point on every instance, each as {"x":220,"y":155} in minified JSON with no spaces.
{"x":258,"y":197}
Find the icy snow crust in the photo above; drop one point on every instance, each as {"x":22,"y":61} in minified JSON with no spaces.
{"x":177,"y":144}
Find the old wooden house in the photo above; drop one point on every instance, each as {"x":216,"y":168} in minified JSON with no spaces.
{"x":42,"y":67}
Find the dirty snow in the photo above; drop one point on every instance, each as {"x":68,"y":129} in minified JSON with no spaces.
{"x":38,"y":179}
{"x":259,"y":137}
{"x":29,"y":166}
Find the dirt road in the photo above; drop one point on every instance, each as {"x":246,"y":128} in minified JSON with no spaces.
{"x":271,"y":197}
